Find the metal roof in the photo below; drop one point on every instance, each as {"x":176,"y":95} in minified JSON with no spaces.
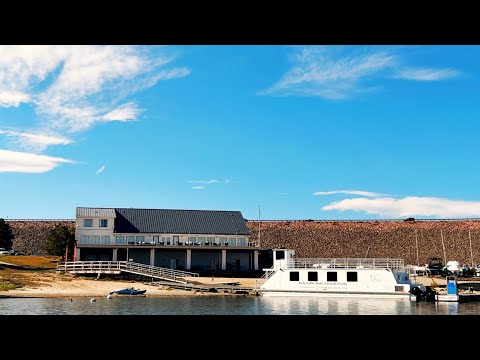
{"x":166,"y":221}
{"x":95,"y":212}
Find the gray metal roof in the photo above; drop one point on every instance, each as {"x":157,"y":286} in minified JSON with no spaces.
{"x":95,"y":212}
{"x":166,"y":221}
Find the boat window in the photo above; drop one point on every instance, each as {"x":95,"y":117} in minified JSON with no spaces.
{"x":279,"y":255}
{"x":294,"y":276}
{"x":331,"y":276}
{"x":312,"y":276}
{"x":352,"y":276}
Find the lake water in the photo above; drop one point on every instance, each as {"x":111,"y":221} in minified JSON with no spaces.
{"x":230,"y":305}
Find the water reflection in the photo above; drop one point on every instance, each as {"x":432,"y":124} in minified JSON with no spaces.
{"x":219,"y":305}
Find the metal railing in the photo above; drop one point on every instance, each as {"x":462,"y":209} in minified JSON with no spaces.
{"x":156,"y":272}
{"x":349,"y":263}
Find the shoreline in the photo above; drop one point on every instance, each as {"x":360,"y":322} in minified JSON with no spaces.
{"x":81,"y":287}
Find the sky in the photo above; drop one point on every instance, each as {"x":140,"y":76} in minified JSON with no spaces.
{"x":276,"y":132}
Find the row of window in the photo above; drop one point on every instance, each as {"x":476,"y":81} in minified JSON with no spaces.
{"x":331,"y":276}
{"x":95,"y":239}
{"x":161,"y":240}
{"x":103,"y":223}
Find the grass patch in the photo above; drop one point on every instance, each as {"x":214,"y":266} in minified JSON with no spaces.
{"x":7,"y":285}
{"x":42,"y":262}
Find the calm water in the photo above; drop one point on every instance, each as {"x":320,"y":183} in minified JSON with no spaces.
{"x":219,"y":305}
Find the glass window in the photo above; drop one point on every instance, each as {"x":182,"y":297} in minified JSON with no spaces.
{"x":139,"y":238}
{"x":103,"y":223}
{"x":232,"y":241}
{"x":312,"y":276}
{"x":106,"y":239}
{"x":87,"y":222}
{"x":120,"y":240}
{"x":222,"y":240}
{"x":241,"y":242}
{"x":279,"y":254}
{"x":130,"y":240}
{"x":352,"y":276}
{"x":95,"y":239}
{"x":331,"y":276}
{"x":294,"y":276}
{"x":85,"y":239}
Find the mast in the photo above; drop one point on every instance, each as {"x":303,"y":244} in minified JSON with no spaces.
{"x":259,"y":225}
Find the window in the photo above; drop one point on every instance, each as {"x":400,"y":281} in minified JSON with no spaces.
{"x":106,"y":239}
{"x":331,"y":276}
{"x":140,"y":239}
{"x":130,"y":240}
{"x":95,"y":239}
{"x":352,"y":276}
{"x":85,"y":239}
{"x":279,"y":255}
{"x":241,"y":242}
{"x":294,"y":276}
{"x":120,"y":240}
{"x":312,"y":276}
{"x":103,"y":223}
{"x":87,"y":222}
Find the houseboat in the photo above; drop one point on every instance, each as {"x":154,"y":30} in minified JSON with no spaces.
{"x":339,"y":277}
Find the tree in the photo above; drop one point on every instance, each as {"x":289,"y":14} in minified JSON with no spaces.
{"x":6,"y":234}
{"x":60,"y":240}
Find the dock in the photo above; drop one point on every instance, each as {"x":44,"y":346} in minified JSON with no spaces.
{"x":224,"y":287}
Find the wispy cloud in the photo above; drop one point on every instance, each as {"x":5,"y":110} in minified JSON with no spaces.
{"x":318,"y":71}
{"x":74,"y":87}
{"x":198,"y":187}
{"x":125,"y":112}
{"x":338,"y":73}
{"x":427,"y":74}
{"x":21,"y":162}
{"x":349,"y":192}
{"x":101,"y":169}
{"x":204,"y":181}
{"x":410,"y":206}
{"x":35,"y":141}
{"x":12,"y":98}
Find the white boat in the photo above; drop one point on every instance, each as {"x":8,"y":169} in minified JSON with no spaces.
{"x":340,"y":277}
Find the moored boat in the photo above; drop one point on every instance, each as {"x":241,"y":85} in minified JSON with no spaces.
{"x":340,"y":277}
{"x":129,"y":291}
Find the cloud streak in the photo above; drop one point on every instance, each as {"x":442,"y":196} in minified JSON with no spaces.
{"x":427,"y":74}
{"x":101,"y":169}
{"x":349,"y":192}
{"x":338,"y":73}
{"x":35,"y":141}
{"x":204,"y":181}
{"x":318,"y":72}
{"x":21,"y":162}
{"x":409,"y":206}
{"x":198,"y":187}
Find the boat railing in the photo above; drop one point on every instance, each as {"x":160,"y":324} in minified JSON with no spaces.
{"x":350,"y":263}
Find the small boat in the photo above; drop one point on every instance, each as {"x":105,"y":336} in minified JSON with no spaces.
{"x":128,"y":291}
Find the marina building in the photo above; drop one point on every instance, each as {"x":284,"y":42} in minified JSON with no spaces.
{"x":203,"y":241}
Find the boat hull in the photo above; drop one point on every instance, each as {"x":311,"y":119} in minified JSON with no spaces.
{"x":283,"y":293}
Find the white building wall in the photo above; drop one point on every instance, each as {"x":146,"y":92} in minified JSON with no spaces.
{"x":80,"y":229}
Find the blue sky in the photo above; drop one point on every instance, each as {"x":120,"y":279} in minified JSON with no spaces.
{"x":297,"y":132}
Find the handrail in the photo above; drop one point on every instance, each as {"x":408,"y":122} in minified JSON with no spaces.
{"x":126,"y":266}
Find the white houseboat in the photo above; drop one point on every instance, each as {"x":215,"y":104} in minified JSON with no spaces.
{"x":339,"y":277}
